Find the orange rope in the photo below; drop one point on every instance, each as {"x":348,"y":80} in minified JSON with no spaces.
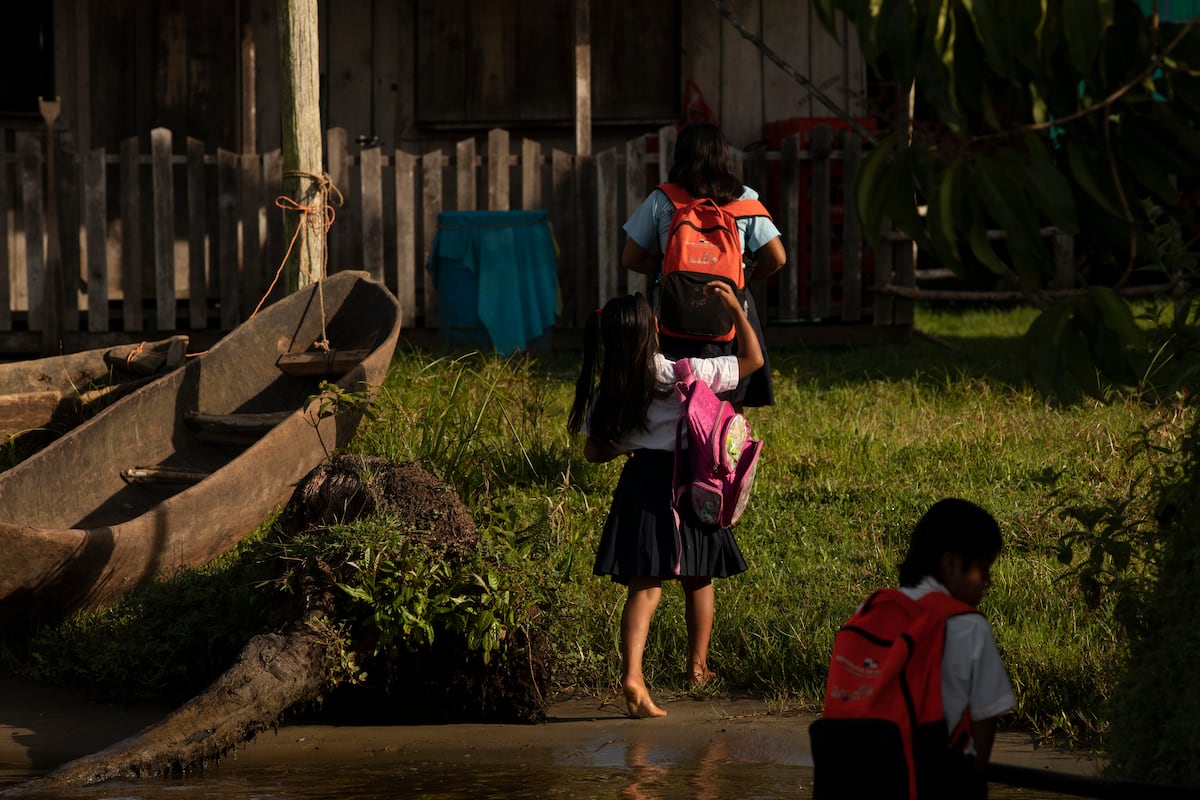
{"x":135,"y":351}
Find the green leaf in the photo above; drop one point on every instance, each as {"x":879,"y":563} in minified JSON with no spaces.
{"x":982,"y":248}
{"x":1084,"y":163}
{"x":1084,"y":23}
{"x":991,"y":35}
{"x":1051,"y":191}
{"x":867,"y":198}
{"x":1117,"y":316}
{"x":1043,"y":345}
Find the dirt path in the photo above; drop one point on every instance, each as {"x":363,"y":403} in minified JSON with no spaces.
{"x":42,"y":728}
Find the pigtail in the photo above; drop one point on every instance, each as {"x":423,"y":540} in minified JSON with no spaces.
{"x":585,"y":384}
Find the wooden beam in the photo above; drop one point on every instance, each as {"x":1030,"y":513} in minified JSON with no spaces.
{"x":583,"y":77}
{"x":303,"y":178}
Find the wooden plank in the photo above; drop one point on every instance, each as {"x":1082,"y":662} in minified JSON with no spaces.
{"x":855,"y":69}
{"x":583,"y":78}
{"x":531,"y":174}
{"x":884,"y":267}
{"x":441,"y":61}
{"x":6,"y":227}
{"x":793,"y":279}
{"x":586,"y":233}
{"x":250,"y":202}
{"x":786,"y":32}
{"x":131,"y":236}
{"x":163,"y":216}
{"x":492,"y":45}
{"x":263,"y":23}
{"x":33,"y":208}
{"x":701,"y":33}
{"x":666,"y":151}
{"x":608,"y":259}
{"x":67,"y":165}
{"x":852,"y":255}
{"x":431,"y":204}
{"x":328,"y":363}
{"x":545,"y":65}
{"x":390,"y":28}
{"x":754,"y":171}
{"x":228,"y":268}
{"x":347,"y":45}
{"x":371,"y":181}
{"x":95,"y":223}
{"x":405,"y":178}
{"x":498,"y":169}
{"x":636,"y":190}
{"x":339,"y":244}
{"x":741,"y":109}
{"x":163,"y":475}
{"x":821,"y":231}
{"x":827,"y":70}
{"x":464,"y":175}
{"x":197,"y":232}
{"x":563,"y":204}
{"x":276,"y":243}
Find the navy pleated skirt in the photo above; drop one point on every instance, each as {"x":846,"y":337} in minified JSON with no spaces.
{"x":640,"y":537}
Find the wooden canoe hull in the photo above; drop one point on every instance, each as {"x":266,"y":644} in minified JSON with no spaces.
{"x":77,"y":535}
{"x":51,"y":395}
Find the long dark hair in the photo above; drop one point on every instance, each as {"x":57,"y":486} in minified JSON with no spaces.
{"x":623,"y":338}
{"x":952,"y":525}
{"x":702,"y":164}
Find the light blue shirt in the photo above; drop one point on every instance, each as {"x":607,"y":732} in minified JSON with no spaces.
{"x":653,"y":218}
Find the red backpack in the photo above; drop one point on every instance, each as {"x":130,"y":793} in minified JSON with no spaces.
{"x":883,"y":696}
{"x":714,"y":472}
{"x":703,"y":244}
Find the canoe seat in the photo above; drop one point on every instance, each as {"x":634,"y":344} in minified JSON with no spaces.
{"x":163,"y":475}
{"x":237,"y":430}
{"x":323,"y":363}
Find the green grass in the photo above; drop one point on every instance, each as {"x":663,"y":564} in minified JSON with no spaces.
{"x":860,"y":442}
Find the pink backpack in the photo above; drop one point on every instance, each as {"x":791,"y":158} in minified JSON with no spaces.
{"x":715,"y":471}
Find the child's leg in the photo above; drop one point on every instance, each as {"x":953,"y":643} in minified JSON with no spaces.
{"x":698,"y":610}
{"x":640,"y":604}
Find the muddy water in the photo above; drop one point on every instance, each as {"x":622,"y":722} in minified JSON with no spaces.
{"x":463,"y":781}
{"x":587,"y":750}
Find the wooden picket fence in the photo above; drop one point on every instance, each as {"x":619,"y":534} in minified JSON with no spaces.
{"x":178,"y":239}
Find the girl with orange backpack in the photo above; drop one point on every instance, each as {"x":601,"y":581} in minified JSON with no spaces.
{"x":703,"y":170}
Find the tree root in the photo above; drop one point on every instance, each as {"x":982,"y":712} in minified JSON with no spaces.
{"x":274,"y":673}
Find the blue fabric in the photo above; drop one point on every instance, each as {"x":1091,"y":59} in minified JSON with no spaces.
{"x":498,"y":269}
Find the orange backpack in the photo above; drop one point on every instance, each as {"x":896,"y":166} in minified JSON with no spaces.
{"x":703,"y":245}
{"x":884,"y":696}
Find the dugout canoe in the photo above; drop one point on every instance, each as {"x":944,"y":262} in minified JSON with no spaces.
{"x":181,"y":470}
{"x":42,"y":398}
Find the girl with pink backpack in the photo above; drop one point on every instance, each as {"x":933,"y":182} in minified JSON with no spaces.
{"x":634,"y":411}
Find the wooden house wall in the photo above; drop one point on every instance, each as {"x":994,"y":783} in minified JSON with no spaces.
{"x":424,"y":73}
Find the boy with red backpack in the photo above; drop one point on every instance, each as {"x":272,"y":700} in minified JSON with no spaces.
{"x":701,"y":180}
{"x":915,"y":681}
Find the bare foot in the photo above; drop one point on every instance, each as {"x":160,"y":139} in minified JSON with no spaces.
{"x":641,"y":706}
{"x":699,"y":677}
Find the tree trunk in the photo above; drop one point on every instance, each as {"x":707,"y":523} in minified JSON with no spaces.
{"x":275,"y":672}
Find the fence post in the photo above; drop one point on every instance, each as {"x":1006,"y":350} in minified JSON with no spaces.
{"x":371,"y":180}
{"x":635,"y":193}
{"x":852,"y":255}
{"x":95,"y":222}
{"x":821,"y":230}
{"x":197,"y":227}
{"x":131,"y":236}
{"x":431,"y":202}
{"x":531,"y":175}
{"x":35,"y":229}
{"x":608,"y":262}
{"x":464,"y":176}
{"x":497,"y":171}
{"x":404,"y":178}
